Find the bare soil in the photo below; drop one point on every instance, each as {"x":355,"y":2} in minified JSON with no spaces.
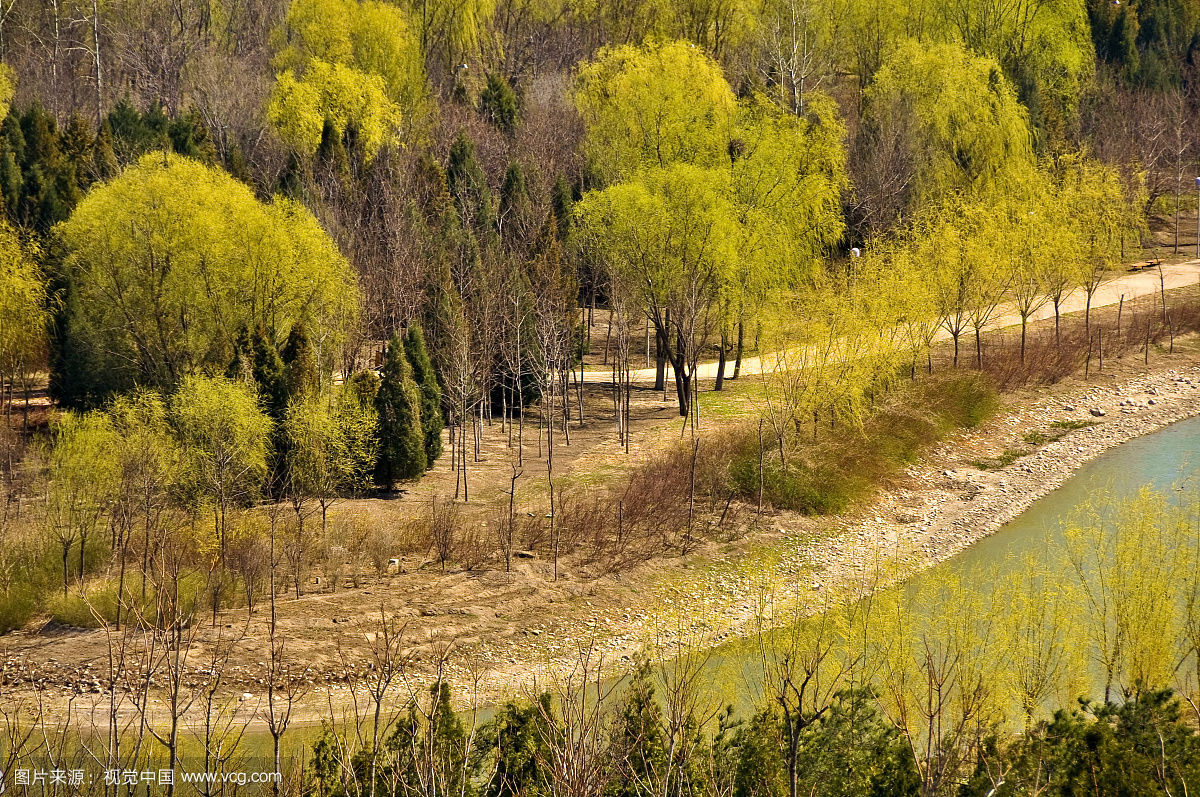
{"x":497,"y":632}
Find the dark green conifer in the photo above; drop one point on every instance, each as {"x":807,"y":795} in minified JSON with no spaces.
{"x":300,"y":364}
{"x":398,"y":402}
{"x":431,"y":393}
{"x":499,"y":103}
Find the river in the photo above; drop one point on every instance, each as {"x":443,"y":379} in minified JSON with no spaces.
{"x":1164,"y":460}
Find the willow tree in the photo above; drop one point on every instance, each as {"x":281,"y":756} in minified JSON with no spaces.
{"x":787,"y":175}
{"x":957,"y":115}
{"x":654,"y":105}
{"x":7,"y":89}
{"x":714,"y":205}
{"x":172,"y":259}
{"x":24,"y":317}
{"x":1103,"y":217}
{"x":351,"y":63}
{"x":225,"y":439}
{"x":671,"y":237}
{"x":332,"y":97}
{"x":81,"y":481}
{"x":1045,"y":49}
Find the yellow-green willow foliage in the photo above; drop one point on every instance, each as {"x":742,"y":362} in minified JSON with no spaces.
{"x":226,"y":442}
{"x":956,"y":112}
{"x":654,"y":105}
{"x":1134,"y":565}
{"x":173,"y":259}
{"x":24,"y":315}
{"x":1018,"y":245}
{"x":940,"y":669}
{"x":336,"y":95}
{"x":788,"y":174}
{"x":1046,"y":47}
{"x":81,"y":476}
{"x":346,"y":62}
{"x":831,"y":349}
{"x":7,"y":88}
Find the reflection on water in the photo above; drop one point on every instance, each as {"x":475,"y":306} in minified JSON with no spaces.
{"x":1165,"y":461}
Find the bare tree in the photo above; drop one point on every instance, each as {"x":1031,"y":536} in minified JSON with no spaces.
{"x":574,"y":725}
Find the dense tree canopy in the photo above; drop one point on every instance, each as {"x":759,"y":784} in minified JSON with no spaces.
{"x":24,"y":315}
{"x":170,"y":260}
{"x":354,"y":64}
{"x":714,"y":202}
{"x":956,"y":115}
{"x":655,"y":105}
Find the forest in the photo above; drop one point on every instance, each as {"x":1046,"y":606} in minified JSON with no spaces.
{"x":272,"y":270}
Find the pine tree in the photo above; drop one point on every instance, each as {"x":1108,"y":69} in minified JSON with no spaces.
{"x":104,"y":159}
{"x":562,"y":200}
{"x":431,"y":393}
{"x":189,"y":136}
{"x":266,"y":367}
{"x":76,"y":144}
{"x":331,"y":153}
{"x":12,"y":155}
{"x":402,"y":448}
{"x":514,"y":203}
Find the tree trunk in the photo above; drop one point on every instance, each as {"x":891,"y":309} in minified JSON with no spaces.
{"x":683,"y":382}
{"x":721,"y":362}
{"x":737,"y":359}
{"x":96,"y":63}
{"x":660,"y":360}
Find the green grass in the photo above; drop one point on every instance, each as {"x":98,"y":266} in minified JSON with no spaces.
{"x":845,"y":466}
{"x":1007,"y":458}
{"x":1070,"y":426}
{"x":1035,"y":439}
{"x":736,"y":399}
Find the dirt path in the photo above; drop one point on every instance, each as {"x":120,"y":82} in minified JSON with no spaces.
{"x":510,"y":630}
{"x":1125,"y":287}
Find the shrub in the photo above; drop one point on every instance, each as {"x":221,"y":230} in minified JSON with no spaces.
{"x":90,"y":607}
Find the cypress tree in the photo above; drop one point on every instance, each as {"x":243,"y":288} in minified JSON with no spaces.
{"x":300,"y":364}
{"x":76,"y":144}
{"x":431,"y":393}
{"x":268,"y":372}
{"x":237,"y":165}
{"x":189,"y":136}
{"x":365,"y":386}
{"x":331,"y":153}
{"x":398,"y":402}
{"x":514,"y":200}
{"x":12,"y":156}
{"x":468,"y":185}
{"x":499,"y":103}
{"x":562,"y":200}
{"x":10,"y":184}
{"x":104,"y":159}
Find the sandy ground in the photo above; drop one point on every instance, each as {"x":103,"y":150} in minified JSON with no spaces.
{"x":506,"y":631}
{"x":499,"y":632}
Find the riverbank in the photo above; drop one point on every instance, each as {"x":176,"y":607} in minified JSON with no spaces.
{"x":507,"y":631}
{"x":957,"y":494}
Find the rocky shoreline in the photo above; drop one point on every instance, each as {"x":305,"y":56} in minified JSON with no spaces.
{"x":975,"y":503}
{"x":940,"y":506}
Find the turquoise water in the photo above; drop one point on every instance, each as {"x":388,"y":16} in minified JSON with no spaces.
{"x":1165,"y":460}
